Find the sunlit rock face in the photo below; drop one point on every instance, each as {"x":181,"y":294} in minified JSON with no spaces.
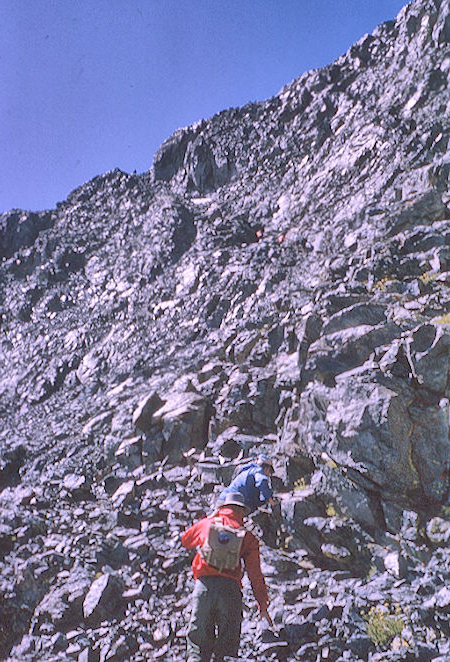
{"x":277,"y":282}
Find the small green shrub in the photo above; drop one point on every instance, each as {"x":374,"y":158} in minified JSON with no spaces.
{"x":427,"y":277}
{"x":300,"y":484}
{"x":381,"y":284}
{"x":371,"y":572}
{"x":445,"y":319}
{"x":382,"y":626}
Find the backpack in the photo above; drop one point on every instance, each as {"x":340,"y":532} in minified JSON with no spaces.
{"x":222,"y":547}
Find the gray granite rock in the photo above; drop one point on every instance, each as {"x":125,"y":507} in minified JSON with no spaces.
{"x":103,"y":598}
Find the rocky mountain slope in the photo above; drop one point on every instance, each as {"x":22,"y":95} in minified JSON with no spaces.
{"x":277,"y":282}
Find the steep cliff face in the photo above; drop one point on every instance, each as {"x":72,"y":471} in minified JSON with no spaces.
{"x":277,"y":282}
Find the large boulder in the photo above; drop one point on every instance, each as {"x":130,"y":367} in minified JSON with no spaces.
{"x":183,"y":423}
{"x":248,"y":400}
{"x":345,"y":349}
{"x":143,"y":414}
{"x":192,"y":161}
{"x":388,"y":427}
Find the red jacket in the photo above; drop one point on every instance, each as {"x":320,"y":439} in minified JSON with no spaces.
{"x":197,"y":534}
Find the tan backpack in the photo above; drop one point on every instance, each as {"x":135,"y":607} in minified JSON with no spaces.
{"x":222,"y":547}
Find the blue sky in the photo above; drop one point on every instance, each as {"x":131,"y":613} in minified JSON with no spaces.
{"x":91,"y":85}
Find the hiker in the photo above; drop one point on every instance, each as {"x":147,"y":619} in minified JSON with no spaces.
{"x":253,"y":482}
{"x":223,"y":543}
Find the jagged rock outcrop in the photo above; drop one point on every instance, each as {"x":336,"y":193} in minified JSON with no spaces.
{"x":277,"y":282}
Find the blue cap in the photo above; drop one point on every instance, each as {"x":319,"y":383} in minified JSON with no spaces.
{"x":234,"y":499}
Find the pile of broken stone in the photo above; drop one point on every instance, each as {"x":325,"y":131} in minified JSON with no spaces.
{"x":95,"y":571}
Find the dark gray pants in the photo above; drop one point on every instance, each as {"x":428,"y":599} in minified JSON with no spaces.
{"x":215,"y":625}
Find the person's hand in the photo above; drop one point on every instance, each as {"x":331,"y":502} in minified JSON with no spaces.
{"x":265,"y":614}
